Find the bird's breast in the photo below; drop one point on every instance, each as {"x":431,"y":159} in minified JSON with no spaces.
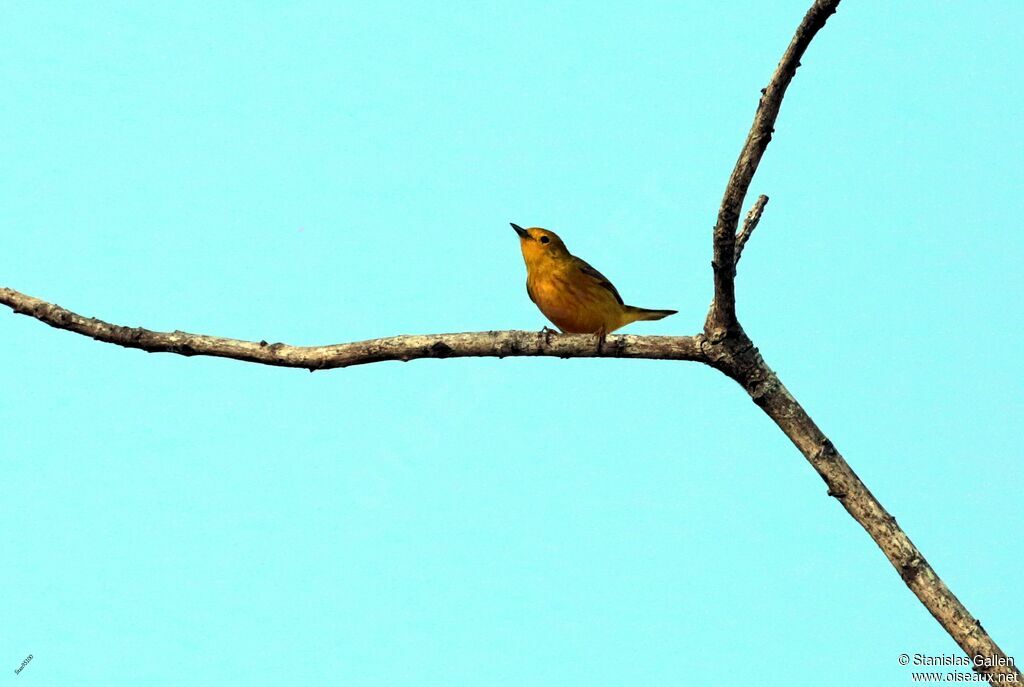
{"x":574,"y":302}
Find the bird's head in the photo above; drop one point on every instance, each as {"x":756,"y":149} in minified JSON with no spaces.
{"x":540,"y":244}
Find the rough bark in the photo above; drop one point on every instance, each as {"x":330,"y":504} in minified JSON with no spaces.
{"x":496,"y":344}
{"x":740,"y":359}
{"x":722,"y":314}
{"x":723,"y":345}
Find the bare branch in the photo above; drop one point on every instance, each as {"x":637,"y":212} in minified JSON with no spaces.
{"x":497,"y":344}
{"x":721,"y":318}
{"x":724,"y":345}
{"x":735,"y":356}
{"x":741,"y":360}
{"x":749,"y":224}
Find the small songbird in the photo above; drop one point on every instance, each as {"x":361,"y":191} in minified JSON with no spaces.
{"x":573,"y":295}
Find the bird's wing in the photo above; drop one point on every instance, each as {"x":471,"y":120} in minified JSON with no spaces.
{"x":584,"y":267}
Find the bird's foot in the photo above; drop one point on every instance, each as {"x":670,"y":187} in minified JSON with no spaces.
{"x":547,"y":332}
{"x":602,"y":336}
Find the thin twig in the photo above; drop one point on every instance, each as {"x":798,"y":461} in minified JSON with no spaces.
{"x":749,"y":224}
{"x":721,"y":319}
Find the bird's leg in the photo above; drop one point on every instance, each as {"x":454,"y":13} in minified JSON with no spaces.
{"x":602,"y":335}
{"x":547,"y":332}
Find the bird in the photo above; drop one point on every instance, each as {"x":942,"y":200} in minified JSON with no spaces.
{"x":574,"y":296}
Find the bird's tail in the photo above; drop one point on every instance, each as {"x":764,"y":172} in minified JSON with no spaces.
{"x":635,"y":313}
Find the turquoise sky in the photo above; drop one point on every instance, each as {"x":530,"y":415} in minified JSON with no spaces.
{"x":323,"y":172}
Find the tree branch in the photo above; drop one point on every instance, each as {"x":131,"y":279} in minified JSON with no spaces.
{"x":741,"y":360}
{"x":497,"y":344}
{"x":724,"y":345}
{"x":721,"y":319}
{"x":749,"y":224}
{"x":736,"y":357}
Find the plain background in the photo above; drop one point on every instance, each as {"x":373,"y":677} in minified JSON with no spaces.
{"x":317,"y":173}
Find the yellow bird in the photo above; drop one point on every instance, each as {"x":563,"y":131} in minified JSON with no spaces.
{"x":573,"y":295}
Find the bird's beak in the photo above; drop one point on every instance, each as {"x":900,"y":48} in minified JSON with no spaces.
{"x":519,"y":230}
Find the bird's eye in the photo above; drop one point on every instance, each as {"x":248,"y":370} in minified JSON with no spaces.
{"x":545,"y":239}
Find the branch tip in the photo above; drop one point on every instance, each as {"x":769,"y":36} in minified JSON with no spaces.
{"x":722,"y":314}
{"x":749,"y":224}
